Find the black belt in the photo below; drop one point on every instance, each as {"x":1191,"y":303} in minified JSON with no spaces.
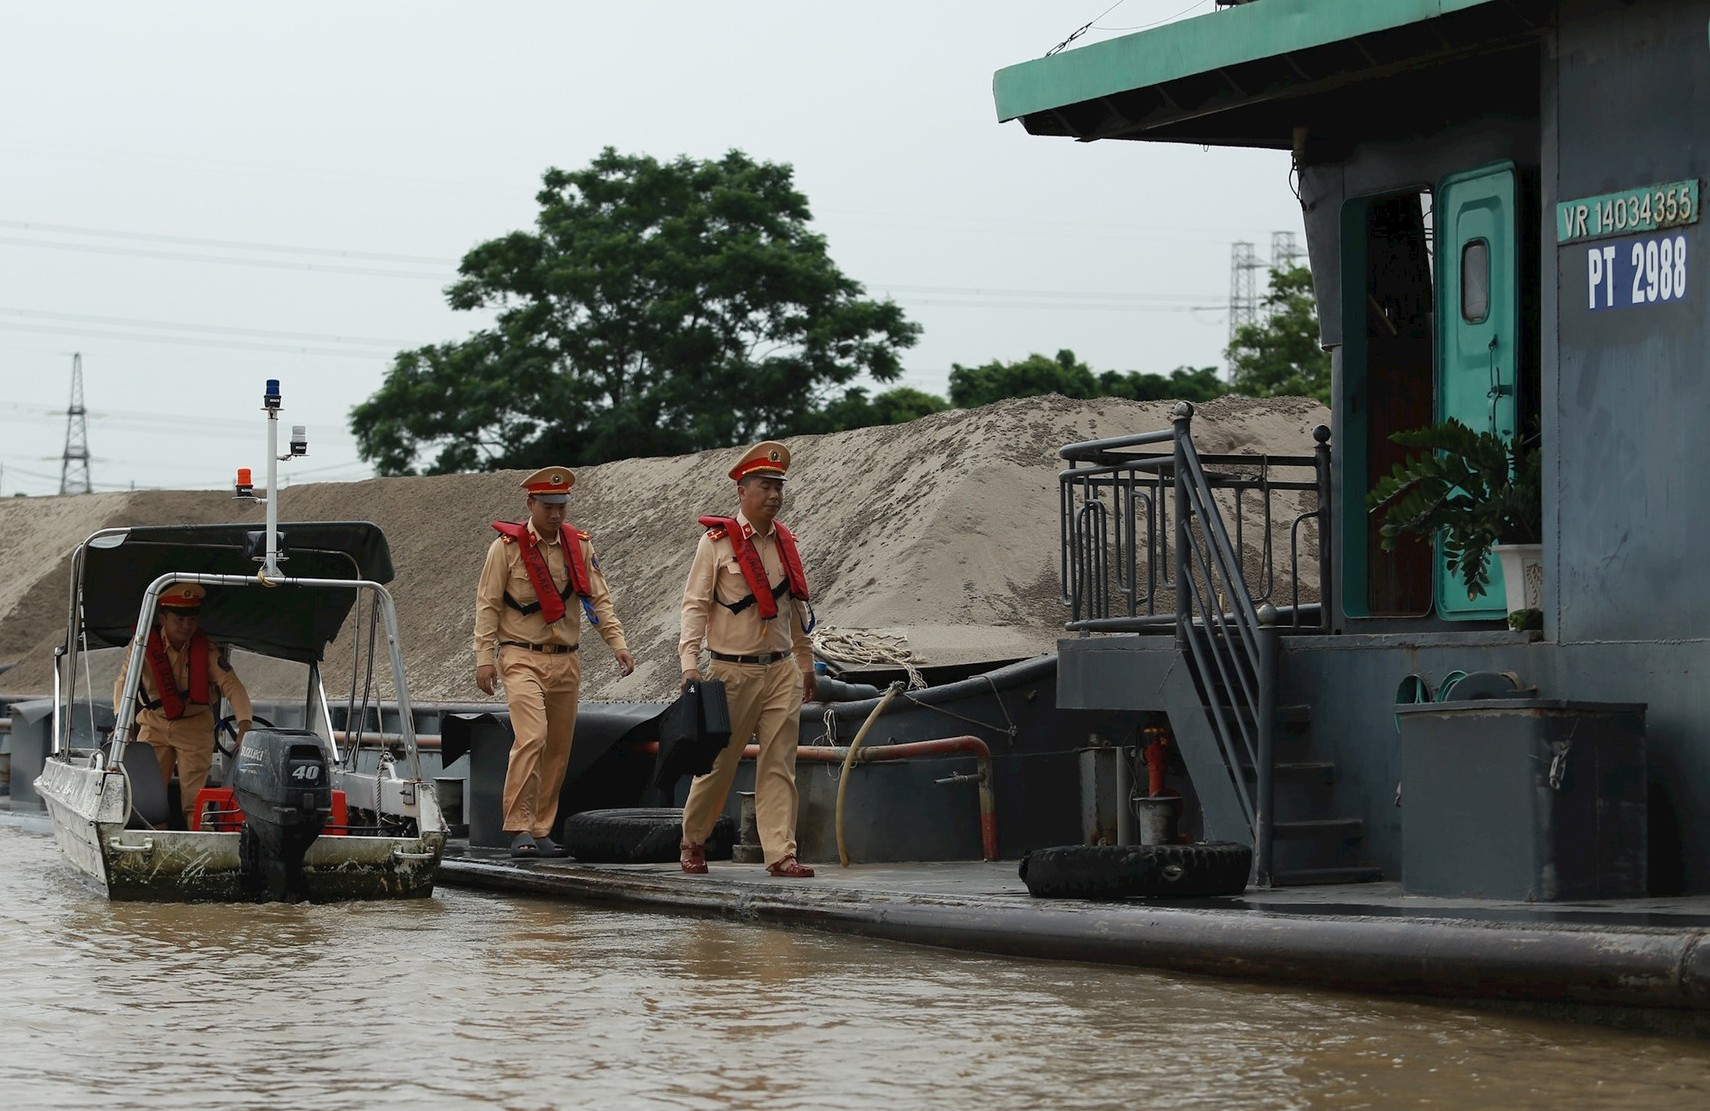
{"x":549,"y":649}
{"x":762,"y":658}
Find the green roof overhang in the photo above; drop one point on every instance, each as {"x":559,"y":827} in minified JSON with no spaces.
{"x":1218,"y":78}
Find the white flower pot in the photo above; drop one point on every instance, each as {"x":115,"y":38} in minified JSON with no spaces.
{"x":1522,"y":575}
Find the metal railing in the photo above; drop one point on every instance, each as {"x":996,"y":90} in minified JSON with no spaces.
{"x":1139,"y":525}
{"x":1117,"y":513}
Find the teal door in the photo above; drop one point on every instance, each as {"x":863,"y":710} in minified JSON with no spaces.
{"x":1478,"y":315}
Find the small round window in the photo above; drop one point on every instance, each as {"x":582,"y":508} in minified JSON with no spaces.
{"x":1475,"y":281}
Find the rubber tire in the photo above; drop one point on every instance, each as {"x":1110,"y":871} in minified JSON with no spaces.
{"x":638,"y":835}
{"x":1125,"y":871}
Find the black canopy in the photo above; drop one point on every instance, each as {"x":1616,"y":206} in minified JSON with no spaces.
{"x":290,"y":622}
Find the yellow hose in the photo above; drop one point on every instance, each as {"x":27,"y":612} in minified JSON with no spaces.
{"x":849,"y":758}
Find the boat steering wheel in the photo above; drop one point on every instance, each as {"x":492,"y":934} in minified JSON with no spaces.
{"x":226,"y":728}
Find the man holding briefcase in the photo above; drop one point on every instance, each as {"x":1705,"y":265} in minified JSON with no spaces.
{"x":746,"y":602}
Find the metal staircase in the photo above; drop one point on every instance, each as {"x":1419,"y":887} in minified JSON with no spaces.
{"x":1144,"y":528}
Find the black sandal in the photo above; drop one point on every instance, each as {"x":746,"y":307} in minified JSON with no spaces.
{"x":522,"y":845}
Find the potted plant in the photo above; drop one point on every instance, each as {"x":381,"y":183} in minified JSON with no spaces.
{"x":1482,"y":493}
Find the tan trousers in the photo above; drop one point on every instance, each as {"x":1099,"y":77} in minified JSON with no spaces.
{"x":541,"y":690}
{"x":188,"y":745}
{"x":765,"y":702}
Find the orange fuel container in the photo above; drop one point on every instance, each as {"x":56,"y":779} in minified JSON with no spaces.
{"x":217,"y":811}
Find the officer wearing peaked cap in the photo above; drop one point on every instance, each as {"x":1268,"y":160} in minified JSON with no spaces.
{"x":746,"y":603}
{"x":540,"y":577}
{"x":181,"y":671}
{"x":183,"y":598}
{"x":769,"y":460}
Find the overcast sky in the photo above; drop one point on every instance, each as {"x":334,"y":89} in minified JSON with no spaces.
{"x":201,"y":196}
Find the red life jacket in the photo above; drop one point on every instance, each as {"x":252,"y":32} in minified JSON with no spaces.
{"x":549,"y":599}
{"x":761,"y":592}
{"x":172,"y":700}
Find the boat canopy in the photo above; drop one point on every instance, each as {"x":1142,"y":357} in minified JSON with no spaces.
{"x":1254,"y":73}
{"x":288,"y":622}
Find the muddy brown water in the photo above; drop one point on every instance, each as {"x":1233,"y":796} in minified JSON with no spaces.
{"x":480,"y":1000}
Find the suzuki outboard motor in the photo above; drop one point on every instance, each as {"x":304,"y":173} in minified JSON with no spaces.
{"x":282,"y":785}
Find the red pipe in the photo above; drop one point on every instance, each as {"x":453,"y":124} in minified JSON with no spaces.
{"x":908,"y":750}
{"x":1157,"y":761}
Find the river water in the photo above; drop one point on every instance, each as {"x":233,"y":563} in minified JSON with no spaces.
{"x":492,"y":1001}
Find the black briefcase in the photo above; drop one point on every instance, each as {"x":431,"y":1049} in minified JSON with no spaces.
{"x":692,"y":732}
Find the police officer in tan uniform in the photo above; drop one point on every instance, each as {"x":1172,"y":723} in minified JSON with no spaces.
{"x":746,"y":602}
{"x":179,"y":725}
{"x":540,"y":577}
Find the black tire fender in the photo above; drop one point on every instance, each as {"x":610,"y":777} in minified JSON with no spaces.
{"x":1125,"y":871}
{"x":638,"y":835}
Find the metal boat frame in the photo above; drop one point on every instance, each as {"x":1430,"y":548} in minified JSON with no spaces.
{"x":397,"y":834}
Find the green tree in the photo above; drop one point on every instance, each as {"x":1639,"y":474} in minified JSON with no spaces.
{"x":1067,"y":375}
{"x":1185,"y":383}
{"x":856,"y":410}
{"x":1282,"y":356}
{"x":657,"y":308}
{"x":905,"y":403}
{"x":1030,"y":377}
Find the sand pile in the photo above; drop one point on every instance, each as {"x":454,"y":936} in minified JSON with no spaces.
{"x":944,"y":530}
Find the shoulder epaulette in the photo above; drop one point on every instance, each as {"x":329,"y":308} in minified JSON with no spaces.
{"x":580,"y":535}
{"x":715,"y":534}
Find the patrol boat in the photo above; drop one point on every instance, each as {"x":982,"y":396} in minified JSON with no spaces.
{"x":301,"y":811}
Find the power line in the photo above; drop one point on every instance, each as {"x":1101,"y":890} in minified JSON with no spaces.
{"x":176,"y":256}
{"x":219,"y":329}
{"x":226,"y":244}
{"x":1056,"y":294}
{"x":1065,"y":306}
{"x":1083,"y":28}
{"x":427,"y":260}
{"x":191,"y":341}
{"x":1157,"y":22}
{"x":269,"y":172}
{"x":274,"y":264}
{"x":39,"y":412}
{"x":34,"y":474}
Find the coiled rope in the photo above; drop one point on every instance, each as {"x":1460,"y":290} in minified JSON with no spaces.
{"x":867,"y":647}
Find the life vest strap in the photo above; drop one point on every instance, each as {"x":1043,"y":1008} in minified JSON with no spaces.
{"x":533,"y":607}
{"x":782,"y":590}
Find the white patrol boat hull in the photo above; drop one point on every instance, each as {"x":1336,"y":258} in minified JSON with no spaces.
{"x":88,"y":806}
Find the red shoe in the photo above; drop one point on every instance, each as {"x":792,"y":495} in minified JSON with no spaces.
{"x":791,"y":869}
{"x":692,"y":857}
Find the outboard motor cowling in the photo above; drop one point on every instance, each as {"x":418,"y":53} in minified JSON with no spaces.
{"x":283,"y":788}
